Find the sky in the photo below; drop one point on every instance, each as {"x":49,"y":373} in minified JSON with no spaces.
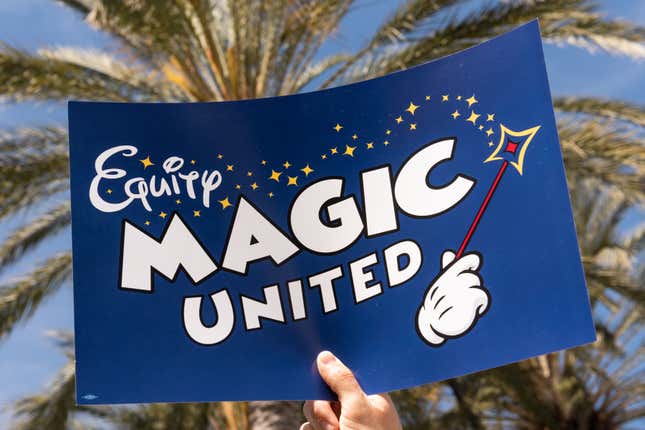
{"x":28,"y":358}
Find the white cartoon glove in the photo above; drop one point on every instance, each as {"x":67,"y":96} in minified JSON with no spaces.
{"x":454,"y":301}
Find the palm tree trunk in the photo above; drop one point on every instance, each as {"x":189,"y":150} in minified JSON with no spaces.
{"x":467,"y":412}
{"x":275,"y":415}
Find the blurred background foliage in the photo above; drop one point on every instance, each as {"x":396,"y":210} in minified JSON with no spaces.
{"x":206,"y":50}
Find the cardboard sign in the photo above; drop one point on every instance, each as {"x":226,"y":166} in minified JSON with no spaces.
{"x":418,"y":225}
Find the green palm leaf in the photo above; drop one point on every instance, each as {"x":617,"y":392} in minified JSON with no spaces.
{"x":20,"y":298}
{"x":42,"y":77}
{"x":52,"y":409}
{"x":610,"y":109}
{"x":31,"y":234}
{"x":33,"y":167}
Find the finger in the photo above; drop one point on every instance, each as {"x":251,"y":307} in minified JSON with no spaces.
{"x":381,"y":401}
{"x":482,"y":301}
{"x":468,"y":262}
{"x":424,"y":326}
{"x":320,"y":414}
{"x":340,"y":379}
{"x":446,"y":258}
{"x":306,"y":426}
{"x":469,"y":279}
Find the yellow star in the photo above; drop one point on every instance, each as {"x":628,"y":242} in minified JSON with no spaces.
{"x":399,"y":119}
{"x":481,"y":127}
{"x":349,"y":150}
{"x":338,"y":127}
{"x":334,"y":150}
{"x":490,"y":143}
{"x":197,"y":213}
{"x":370,"y":145}
{"x":504,"y":138}
{"x":192,"y":161}
{"x":178,"y":201}
{"x":412,"y":108}
{"x":225,"y":202}
{"x":229,"y":167}
{"x":444,"y":98}
{"x":162,"y":214}
{"x":255,"y":186}
{"x":238,"y":186}
{"x":220,"y":156}
{"x":270,"y":194}
{"x":275,"y":175}
{"x":427,"y":97}
{"x":286,"y":165}
{"x":455,"y":114}
{"x":263,"y":162}
{"x":490,"y":117}
{"x":249,"y":173}
{"x":147,"y":222}
{"x":307,"y":170}
{"x":293,"y":180}
{"x":323,"y":156}
{"x":489,"y":132}
{"x":147,"y":162}
{"x":386,"y":143}
{"x":109,"y":191}
{"x":388,"y":131}
{"x":471,"y":100}
{"x":354,"y":136}
{"x":458,"y":97}
{"x":413,"y":126}
{"x":473,"y":117}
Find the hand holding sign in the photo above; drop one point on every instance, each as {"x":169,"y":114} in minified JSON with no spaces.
{"x":354,"y":410}
{"x":454,"y":301}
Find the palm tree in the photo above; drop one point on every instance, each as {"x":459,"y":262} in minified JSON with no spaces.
{"x":205,"y":50}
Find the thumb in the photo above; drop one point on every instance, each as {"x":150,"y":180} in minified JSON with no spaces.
{"x":446,"y":258}
{"x":340,"y":379}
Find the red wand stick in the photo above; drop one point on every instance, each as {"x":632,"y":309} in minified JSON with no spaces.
{"x":482,"y":209}
{"x":514,"y":149}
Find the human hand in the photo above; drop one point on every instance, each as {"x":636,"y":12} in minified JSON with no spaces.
{"x":354,"y":410}
{"x":454,"y":301}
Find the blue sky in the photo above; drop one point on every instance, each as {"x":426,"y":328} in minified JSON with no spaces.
{"x":28,"y":359}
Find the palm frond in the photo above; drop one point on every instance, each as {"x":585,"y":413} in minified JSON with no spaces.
{"x":167,"y":35}
{"x":610,"y":109}
{"x":175,"y":416}
{"x":608,"y":263}
{"x":311,"y":25}
{"x":408,"y":18}
{"x":81,"y":6}
{"x":315,"y":70}
{"x":149,"y":84}
{"x":20,"y":298}
{"x":224,"y":50}
{"x":28,"y":76}
{"x":600,"y":281}
{"x":33,"y":165}
{"x":51,"y":410}
{"x":591,"y":31}
{"x":593,"y":149}
{"x":31,"y":234}
{"x":562,"y":21}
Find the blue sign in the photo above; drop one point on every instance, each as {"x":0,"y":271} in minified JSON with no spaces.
{"x":418,"y":225}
